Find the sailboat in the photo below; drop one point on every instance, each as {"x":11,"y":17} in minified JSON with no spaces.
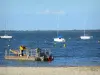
{"x":5,"y":36}
{"x":85,"y":37}
{"x":59,"y":38}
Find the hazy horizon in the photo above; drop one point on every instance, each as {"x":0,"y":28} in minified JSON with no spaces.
{"x":56,"y":30}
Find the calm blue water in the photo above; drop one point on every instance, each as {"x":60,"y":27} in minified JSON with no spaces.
{"x":77,"y":53}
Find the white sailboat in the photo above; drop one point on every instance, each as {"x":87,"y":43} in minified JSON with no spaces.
{"x":85,"y":37}
{"x":59,"y":38}
{"x":5,"y":36}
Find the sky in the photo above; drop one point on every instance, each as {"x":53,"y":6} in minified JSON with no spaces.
{"x":49,"y":14}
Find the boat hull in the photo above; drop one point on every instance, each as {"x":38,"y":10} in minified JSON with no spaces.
{"x":32,"y":58}
{"x":59,"y":40}
{"x":85,"y":37}
{"x":6,"y":37}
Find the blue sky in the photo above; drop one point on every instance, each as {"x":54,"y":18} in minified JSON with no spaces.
{"x":47,"y":14}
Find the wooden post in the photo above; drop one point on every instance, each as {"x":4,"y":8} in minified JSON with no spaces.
{"x":27,"y":53}
{"x":8,"y":52}
{"x":31,"y":52}
{"x":5,"y":52}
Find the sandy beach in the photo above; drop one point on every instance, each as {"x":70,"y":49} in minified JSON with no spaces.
{"x":93,"y":70}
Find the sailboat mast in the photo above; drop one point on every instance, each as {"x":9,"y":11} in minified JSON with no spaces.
{"x":57,"y":25}
{"x":57,"y":31}
{"x":5,"y":28}
{"x":84,"y":32}
{"x":84,"y":26}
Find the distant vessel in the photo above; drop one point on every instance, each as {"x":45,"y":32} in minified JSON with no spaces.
{"x":85,"y":37}
{"x":5,"y":36}
{"x":59,"y":38}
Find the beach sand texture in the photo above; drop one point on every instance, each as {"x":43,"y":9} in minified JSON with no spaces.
{"x":94,"y":70}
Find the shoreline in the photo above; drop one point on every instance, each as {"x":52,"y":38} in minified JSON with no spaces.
{"x":73,"y":70}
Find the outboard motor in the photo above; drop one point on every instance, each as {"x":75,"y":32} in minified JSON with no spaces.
{"x":50,"y":58}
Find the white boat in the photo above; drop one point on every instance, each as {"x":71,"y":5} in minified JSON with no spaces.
{"x":59,"y":38}
{"x":85,"y":37}
{"x":6,"y":37}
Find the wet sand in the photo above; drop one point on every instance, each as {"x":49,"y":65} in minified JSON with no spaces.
{"x":93,"y":70}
